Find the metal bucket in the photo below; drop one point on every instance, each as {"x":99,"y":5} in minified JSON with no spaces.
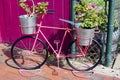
{"x":85,"y":36}
{"x":77,"y":25}
{"x":28,"y":30}
{"x":28,"y":24}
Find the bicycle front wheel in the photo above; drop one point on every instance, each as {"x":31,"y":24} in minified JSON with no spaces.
{"x":27,"y":58}
{"x":87,"y":62}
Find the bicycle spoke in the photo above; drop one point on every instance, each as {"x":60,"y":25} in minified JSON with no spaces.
{"x":89,"y":61}
{"x":25,"y":58}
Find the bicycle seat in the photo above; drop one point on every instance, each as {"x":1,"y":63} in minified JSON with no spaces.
{"x":50,"y":11}
{"x":56,"y":41}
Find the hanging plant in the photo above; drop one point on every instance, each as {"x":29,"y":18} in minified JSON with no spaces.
{"x":40,"y":8}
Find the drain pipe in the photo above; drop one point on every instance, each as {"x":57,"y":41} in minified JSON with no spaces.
{"x":108,"y":57}
{"x":72,"y":15}
{"x":72,"y":3}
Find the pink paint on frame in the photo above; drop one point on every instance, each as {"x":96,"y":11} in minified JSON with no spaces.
{"x":9,"y":22}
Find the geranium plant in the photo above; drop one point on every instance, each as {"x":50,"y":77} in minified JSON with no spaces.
{"x":103,"y":21}
{"x":28,"y":21}
{"x":40,"y":8}
{"x":87,"y":13}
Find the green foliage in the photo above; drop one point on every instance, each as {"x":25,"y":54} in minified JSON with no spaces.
{"x":88,"y":14}
{"x":92,"y":17}
{"x":40,"y":8}
{"x":24,"y":6}
{"x":103,"y":20}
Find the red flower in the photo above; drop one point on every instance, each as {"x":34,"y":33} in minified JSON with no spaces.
{"x":80,"y":15}
{"x":93,"y":6}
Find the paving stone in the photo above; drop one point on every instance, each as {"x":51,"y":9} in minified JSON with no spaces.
{"x":45,"y":73}
{"x":93,"y":76}
{"x":97,"y":78}
{"x":65,"y":79}
{"x":117,"y":62}
{"x":39,"y":78}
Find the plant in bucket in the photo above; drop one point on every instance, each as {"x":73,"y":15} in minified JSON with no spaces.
{"x":86,"y":19}
{"x":28,"y":21}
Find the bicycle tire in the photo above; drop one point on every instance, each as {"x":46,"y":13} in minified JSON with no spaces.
{"x":21,"y":54}
{"x":91,"y":59}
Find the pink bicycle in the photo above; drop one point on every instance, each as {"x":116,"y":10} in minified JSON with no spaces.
{"x":30,"y":52}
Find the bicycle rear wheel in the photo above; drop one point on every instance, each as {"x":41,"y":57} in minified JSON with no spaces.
{"x":87,"y":62}
{"x":25,"y":58}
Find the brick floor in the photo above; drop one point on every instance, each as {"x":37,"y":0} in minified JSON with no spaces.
{"x":46,"y":72}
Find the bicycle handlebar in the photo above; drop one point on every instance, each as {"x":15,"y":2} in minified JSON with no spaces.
{"x":71,"y":22}
{"x":67,"y":21}
{"x":76,"y":24}
{"x":50,"y":11}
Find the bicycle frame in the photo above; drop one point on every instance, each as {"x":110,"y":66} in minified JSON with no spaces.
{"x":66,"y":31}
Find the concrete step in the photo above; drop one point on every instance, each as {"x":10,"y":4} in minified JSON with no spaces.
{"x":117,"y":62}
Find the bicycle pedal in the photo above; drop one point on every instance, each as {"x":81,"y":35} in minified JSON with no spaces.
{"x":56,"y":41}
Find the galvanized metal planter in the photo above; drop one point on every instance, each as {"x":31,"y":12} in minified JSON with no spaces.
{"x":28,"y":24}
{"x":85,"y":36}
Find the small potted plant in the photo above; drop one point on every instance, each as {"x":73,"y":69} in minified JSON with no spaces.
{"x":86,"y":13}
{"x":28,"y":21}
